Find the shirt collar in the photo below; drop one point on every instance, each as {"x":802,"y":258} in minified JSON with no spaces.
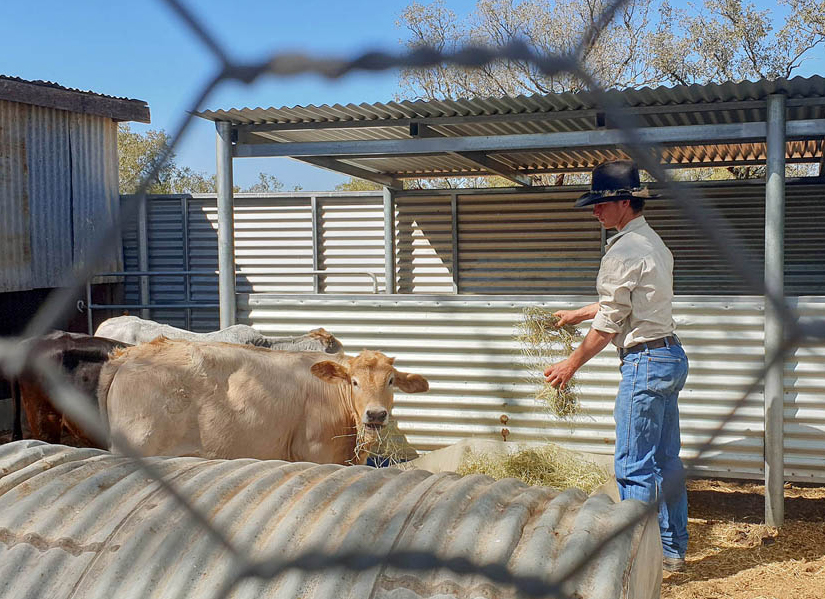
{"x":634,"y":225}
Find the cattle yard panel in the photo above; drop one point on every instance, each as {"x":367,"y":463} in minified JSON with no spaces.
{"x":467,"y":350}
{"x":530,"y":248}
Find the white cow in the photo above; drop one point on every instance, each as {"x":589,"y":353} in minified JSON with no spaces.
{"x":219,"y":400}
{"x":134,"y":330}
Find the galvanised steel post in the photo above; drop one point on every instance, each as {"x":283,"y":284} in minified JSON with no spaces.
{"x":389,"y":241}
{"x":226,"y":225}
{"x":774,"y":287}
{"x":143,"y":254}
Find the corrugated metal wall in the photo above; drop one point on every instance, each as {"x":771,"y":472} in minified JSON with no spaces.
{"x":95,"y":194}
{"x":50,"y":183}
{"x":273,"y":237}
{"x":466,"y":348}
{"x":15,"y":242}
{"x":58,"y":190}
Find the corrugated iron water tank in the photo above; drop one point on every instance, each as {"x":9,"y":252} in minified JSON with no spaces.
{"x":83,"y":523}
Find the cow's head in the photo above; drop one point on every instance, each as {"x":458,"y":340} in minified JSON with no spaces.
{"x":371,"y":378}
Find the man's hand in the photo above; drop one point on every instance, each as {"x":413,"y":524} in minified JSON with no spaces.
{"x":566,"y":317}
{"x":559,"y":374}
{"x":576,"y":316}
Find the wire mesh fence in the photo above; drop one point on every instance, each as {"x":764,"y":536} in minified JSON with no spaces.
{"x":15,"y":357}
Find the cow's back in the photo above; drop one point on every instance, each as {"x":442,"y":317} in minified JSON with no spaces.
{"x":134,"y":330}
{"x":214,"y":400}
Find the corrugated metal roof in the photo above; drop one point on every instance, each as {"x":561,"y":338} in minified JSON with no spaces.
{"x":712,"y":104}
{"x":86,"y":523}
{"x":678,"y":96}
{"x":52,"y":95}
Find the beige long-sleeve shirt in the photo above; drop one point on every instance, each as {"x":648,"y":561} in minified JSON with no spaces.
{"x":635,"y":286}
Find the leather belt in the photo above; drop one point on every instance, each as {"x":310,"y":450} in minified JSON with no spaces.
{"x":655,"y":344}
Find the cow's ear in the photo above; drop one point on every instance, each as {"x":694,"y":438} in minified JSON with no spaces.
{"x":410,"y":383}
{"x":331,"y":372}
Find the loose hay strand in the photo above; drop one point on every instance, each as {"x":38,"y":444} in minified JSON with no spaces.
{"x":543,"y":343}
{"x":548,"y":466}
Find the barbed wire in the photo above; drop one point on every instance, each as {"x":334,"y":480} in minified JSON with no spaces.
{"x":17,"y":357}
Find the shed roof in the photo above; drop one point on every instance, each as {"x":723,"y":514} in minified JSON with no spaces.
{"x":695,"y":125}
{"x":52,"y":95}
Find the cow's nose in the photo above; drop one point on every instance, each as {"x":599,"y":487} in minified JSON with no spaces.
{"x":376,"y":415}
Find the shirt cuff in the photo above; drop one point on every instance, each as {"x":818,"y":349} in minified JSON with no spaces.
{"x":602,"y":323}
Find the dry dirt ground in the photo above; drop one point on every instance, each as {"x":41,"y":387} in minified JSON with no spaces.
{"x":733,"y":555}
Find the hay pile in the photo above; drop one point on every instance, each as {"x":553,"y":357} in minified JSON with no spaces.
{"x":542,"y":344}
{"x":547,"y":466}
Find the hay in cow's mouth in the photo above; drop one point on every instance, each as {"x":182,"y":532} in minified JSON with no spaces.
{"x":373,"y":426}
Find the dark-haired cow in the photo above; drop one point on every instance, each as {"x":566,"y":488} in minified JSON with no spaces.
{"x":218,"y":400}
{"x":134,"y":330}
{"x":81,"y":358}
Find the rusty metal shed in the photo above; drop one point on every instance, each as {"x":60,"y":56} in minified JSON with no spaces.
{"x":59,"y":183}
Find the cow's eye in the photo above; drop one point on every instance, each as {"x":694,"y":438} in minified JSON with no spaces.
{"x":354,"y":383}
{"x":389,"y":382}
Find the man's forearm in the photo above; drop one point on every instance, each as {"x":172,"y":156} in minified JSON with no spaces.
{"x":589,"y":312}
{"x":594,"y":342}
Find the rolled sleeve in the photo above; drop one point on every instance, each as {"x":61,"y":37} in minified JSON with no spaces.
{"x":614,"y":284}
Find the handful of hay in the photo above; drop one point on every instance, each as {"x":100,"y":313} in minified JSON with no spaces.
{"x":547,"y":466}
{"x":542,"y":343}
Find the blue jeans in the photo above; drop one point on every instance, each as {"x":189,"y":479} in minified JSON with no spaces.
{"x":648,"y":440}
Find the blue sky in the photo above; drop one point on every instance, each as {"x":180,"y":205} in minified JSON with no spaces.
{"x":142,"y":50}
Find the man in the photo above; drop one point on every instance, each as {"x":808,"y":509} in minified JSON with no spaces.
{"x":635,"y":287}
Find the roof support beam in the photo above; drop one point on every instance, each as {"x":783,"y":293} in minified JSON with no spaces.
{"x":491,"y":165}
{"x":354,"y":171}
{"x":495,"y":167}
{"x":740,"y":132}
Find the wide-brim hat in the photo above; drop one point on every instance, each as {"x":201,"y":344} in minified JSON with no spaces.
{"x":614,"y":181}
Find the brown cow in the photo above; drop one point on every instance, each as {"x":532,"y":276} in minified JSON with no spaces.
{"x":220,"y":400}
{"x":81,"y":357}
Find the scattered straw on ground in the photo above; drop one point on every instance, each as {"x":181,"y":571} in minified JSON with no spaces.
{"x":542,"y":343}
{"x":733,"y":555}
{"x":548,"y":466}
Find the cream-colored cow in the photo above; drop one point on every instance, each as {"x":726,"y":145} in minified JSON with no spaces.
{"x":221,"y":400}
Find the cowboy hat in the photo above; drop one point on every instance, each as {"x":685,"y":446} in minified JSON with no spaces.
{"x":614,"y":181}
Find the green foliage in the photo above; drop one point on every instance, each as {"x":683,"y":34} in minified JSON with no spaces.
{"x":356,"y":184}
{"x":649,"y":42}
{"x":138,"y":152}
{"x":266,"y":183}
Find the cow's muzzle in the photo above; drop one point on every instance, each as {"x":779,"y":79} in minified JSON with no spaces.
{"x":375,"y":419}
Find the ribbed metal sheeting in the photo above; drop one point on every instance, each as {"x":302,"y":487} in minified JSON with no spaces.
{"x":273,"y":240}
{"x":467,"y":350}
{"x":85,"y":523}
{"x":15,"y":242}
{"x":95,"y":195}
{"x":50,"y":173}
{"x":698,"y":268}
{"x":676,"y":96}
{"x":57,"y":194}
